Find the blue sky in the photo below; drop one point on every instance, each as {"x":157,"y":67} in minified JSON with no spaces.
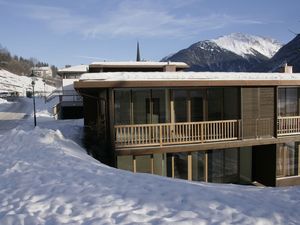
{"x":77,"y":32}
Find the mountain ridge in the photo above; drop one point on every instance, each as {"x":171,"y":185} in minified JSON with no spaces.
{"x":230,"y":53}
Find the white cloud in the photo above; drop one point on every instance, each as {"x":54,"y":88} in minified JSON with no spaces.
{"x":131,"y":18}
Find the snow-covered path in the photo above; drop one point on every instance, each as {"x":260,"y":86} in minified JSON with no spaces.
{"x":12,"y":114}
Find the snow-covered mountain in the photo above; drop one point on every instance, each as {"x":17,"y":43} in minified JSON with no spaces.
{"x":289,"y":53}
{"x":245,"y":45}
{"x":235,"y":52}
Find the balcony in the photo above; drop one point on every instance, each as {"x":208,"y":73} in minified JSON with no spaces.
{"x":289,"y":125}
{"x":165,"y":134}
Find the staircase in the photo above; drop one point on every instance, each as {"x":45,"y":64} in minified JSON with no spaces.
{"x":54,"y":94}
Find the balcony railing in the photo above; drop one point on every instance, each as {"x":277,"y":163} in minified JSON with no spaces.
{"x":289,"y":125}
{"x":176,"y":133}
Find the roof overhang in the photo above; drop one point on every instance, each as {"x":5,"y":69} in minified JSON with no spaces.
{"x":179,"y":83}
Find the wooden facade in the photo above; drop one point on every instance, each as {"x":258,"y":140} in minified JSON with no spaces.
{"x":194,"y":146}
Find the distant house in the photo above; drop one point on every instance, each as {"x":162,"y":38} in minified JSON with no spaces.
{"x":212,"y":127}
{"x":44,"y":72}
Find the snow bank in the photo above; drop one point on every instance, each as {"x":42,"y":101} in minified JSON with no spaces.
{"x":4,"y":101}
{"x":48,"y":179}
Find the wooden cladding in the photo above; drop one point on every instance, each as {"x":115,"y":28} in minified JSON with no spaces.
{"x":258,"y":109}
{"x":176,"y":133}
{"x":289,"y":125}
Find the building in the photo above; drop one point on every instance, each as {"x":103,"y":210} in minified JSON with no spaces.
{"x":44,"y":71}
{"x":70,"y":103}
{"x":214,"y":127}
{"x":70,"y":106}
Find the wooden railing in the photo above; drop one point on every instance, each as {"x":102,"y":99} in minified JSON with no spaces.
{"x":176,"y":133}
{"x":289,"y":125}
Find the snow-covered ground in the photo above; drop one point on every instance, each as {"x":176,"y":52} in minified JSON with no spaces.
{"x":47,"y":178}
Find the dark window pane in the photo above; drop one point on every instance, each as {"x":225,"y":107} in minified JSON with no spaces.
{"x":231,"y":104}
{"x":141,"y":108}
{"x":160,"y":104}
{"x":122,"y":107}
{"x":198,"y":166}
{"x":223,"y":166}
{"x":181,"y":165}
{"x":287,"y":159}
{"x":215,"y":103}
{"x":180,"y":105}
{"x":197,"y":97}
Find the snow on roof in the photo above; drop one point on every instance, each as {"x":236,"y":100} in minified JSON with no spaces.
{"x":78,"y":68}
{"x":141,"y":64}
{"x":131,"y":76}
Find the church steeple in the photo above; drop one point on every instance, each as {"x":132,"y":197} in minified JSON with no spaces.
{"x":138,"y":57}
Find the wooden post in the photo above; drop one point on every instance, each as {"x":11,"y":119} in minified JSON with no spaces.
{"x":160,"y":135}
{"x":173,"y":166}
{"x":202,"y":130}
{"x":134,"y":164}
{"x":206,"y":167}
{"x":298,"y":148}
{"x":275,"y":121}
{"x":163,"y":164}
{"x":190,"y":166}
{"x":152,"y":163}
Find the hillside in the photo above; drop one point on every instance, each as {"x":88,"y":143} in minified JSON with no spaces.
{"x":10,"y":82}
{"x":18,"y":64}
{"x":232,"y":53}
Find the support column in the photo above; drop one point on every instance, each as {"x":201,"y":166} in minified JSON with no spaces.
{"x":163,"y":171}
{"x":206,"y":167}
{"x":190,"y":166}
{"x":152,"y":164}
{"x":134,"y":164}
{"x":173,"y":165}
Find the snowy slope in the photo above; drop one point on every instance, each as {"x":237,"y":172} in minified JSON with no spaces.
{"x":12,"y":82}
{"x":244,"y":44}
{"x":49,"y":179}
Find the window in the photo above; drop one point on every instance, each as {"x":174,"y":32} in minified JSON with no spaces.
{"x":122,"y":107}
{"x":223,"y":166}
{"x":288,"y":102}
{"x":287,"y":163}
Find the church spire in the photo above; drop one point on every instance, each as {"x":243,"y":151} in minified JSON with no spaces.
{"x":138,"y":57}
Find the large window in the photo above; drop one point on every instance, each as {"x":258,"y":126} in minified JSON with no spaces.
{"x":288,"y":102}
{"x":215,"y":103}
{"x":177,"y":165}
{"x":287,"y":159}
{"x":198,"y":166}
{"x":122,"y":107}
{"x":223,"y":166}
{"x":180,"y":98}
{"x":141,"y":106}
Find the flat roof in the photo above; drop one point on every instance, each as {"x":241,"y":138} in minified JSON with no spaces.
{"x":185,"y":79}
{"x":140,"y":64}
{"x":74,"y":69}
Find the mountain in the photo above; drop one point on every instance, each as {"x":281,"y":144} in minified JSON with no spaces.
{"x":289,"y":53}
{"x":235,"y":52}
